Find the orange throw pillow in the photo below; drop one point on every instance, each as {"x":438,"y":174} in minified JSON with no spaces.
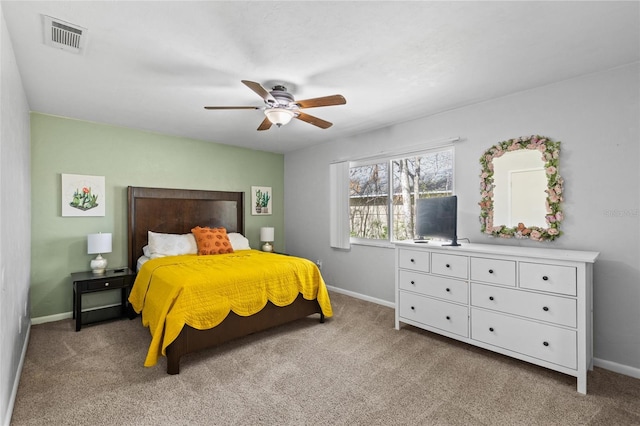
{"x":212,"y":240}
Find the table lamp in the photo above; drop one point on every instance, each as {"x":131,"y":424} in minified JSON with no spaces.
{"x":266,"y":236}
{"x":98,"y":244}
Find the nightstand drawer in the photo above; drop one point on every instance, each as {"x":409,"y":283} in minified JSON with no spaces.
{"x":104,"y":284}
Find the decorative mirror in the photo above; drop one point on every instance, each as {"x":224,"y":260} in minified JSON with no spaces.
{"x":521,"y":190}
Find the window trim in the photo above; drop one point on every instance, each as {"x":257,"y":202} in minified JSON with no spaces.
{"x":355,"y":241}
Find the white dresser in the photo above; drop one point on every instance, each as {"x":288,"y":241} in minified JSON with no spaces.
{"x":534,"y":304}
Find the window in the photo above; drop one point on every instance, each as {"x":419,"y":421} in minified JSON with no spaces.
{"x":369,"y":201}
{"x":382,"y":194}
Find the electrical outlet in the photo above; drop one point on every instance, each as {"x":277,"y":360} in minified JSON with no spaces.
{"x":319,"y":263}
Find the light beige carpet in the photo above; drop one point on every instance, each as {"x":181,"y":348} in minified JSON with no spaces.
{"x":355,"y":369}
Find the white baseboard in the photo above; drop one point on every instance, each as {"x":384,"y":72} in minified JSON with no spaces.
{"x":51,"y":318}
{"x":66,"y":315}
{"x":617,"y":368}
{"x":16,"y":382}
{"x":363,"y":297}
{"x":607,"y":365}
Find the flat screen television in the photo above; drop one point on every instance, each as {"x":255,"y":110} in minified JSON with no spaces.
{"x":437,"y":218}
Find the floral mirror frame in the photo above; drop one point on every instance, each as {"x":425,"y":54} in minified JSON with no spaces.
{"x":550,"y":151}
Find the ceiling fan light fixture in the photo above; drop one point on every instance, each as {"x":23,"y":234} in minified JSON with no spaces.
{"x":279,"y":116}
{"x":280,"y":106}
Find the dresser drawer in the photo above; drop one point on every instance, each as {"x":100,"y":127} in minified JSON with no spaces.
{"x":544,"y":307}
{"x":551,"y":278}
{"x":546,"y":342}
{"x":493,"y":271}
{"x":104,"y":284}
{"x":450,"y":265}
{"x":435,"y":313}
{"x":414,"y":259}
{"x":431,"y":285}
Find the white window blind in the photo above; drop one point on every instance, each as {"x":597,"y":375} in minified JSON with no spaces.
{"x":339,"y":205}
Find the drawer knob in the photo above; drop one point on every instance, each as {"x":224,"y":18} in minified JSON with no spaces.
{"x":106,"y":284}
{"x":447,"y":265}
{"x":448,"y":290}
{"x":490,"y":297}
{"x":545,"y":278}
{"x":413,"y":308}
{"x":491,"y":271}
{"x":413,"y":282}
{"x":491,"y":329}
{"x":545,"y":343}
{"x":413,"y":261}
{"x":448,"y":317}
{"x":545,"y":308}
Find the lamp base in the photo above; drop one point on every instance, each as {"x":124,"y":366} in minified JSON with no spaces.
{"x":99,"y":265}
{"x":267,"y":247}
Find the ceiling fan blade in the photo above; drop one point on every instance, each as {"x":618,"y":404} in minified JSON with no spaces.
{"x":324,"y":101}
{"x":314,"y":120}
{"x":231,"y":107}
{"x":261,"y":91}
{"x":265,"y":125}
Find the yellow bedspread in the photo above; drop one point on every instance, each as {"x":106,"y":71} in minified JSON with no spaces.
{"x":200,"y":291}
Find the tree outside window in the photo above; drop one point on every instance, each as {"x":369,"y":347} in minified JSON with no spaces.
{"x":372,"y":195}
{"x":368,"y":201}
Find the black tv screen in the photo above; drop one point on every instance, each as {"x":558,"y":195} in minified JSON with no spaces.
{"x":437,"y":218}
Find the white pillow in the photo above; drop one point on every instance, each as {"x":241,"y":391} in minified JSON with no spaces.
{"x":146,"y":251}
{"x":171,"y":244}
{"x":238,"y":241}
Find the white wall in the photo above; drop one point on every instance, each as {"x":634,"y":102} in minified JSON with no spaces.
{"x":15,"y":224}
{"x":596,"y":119}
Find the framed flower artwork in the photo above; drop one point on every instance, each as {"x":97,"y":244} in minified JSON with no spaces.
{"x":83,"y":195}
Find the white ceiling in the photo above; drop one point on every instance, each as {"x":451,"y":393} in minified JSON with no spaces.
{"x":154,"y":65}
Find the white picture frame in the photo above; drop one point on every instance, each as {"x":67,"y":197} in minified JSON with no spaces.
{"x":261,"y":197}
{"x":83,"y":195}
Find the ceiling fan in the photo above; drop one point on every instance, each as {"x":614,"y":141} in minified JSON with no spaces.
{"x":280,"y":106}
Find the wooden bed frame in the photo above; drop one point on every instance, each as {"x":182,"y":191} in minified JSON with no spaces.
{"x":177,"y":211}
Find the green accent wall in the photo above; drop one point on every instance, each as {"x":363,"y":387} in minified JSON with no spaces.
{"x":125,"y":157}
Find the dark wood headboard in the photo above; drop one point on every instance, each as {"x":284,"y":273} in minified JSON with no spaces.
{"x":177,"y":211}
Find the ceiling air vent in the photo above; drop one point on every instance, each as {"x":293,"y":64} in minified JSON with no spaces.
{"x":63,"y":35}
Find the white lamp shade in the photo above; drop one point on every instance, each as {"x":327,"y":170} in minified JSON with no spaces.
{"x":266,"y":234}
{"x":98,"y":243}
{"x":279,"y":116}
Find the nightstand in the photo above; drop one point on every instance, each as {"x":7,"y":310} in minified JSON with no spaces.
{"x":88,"y":282}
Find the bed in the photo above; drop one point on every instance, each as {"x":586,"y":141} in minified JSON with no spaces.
{"x":177,"y":211}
